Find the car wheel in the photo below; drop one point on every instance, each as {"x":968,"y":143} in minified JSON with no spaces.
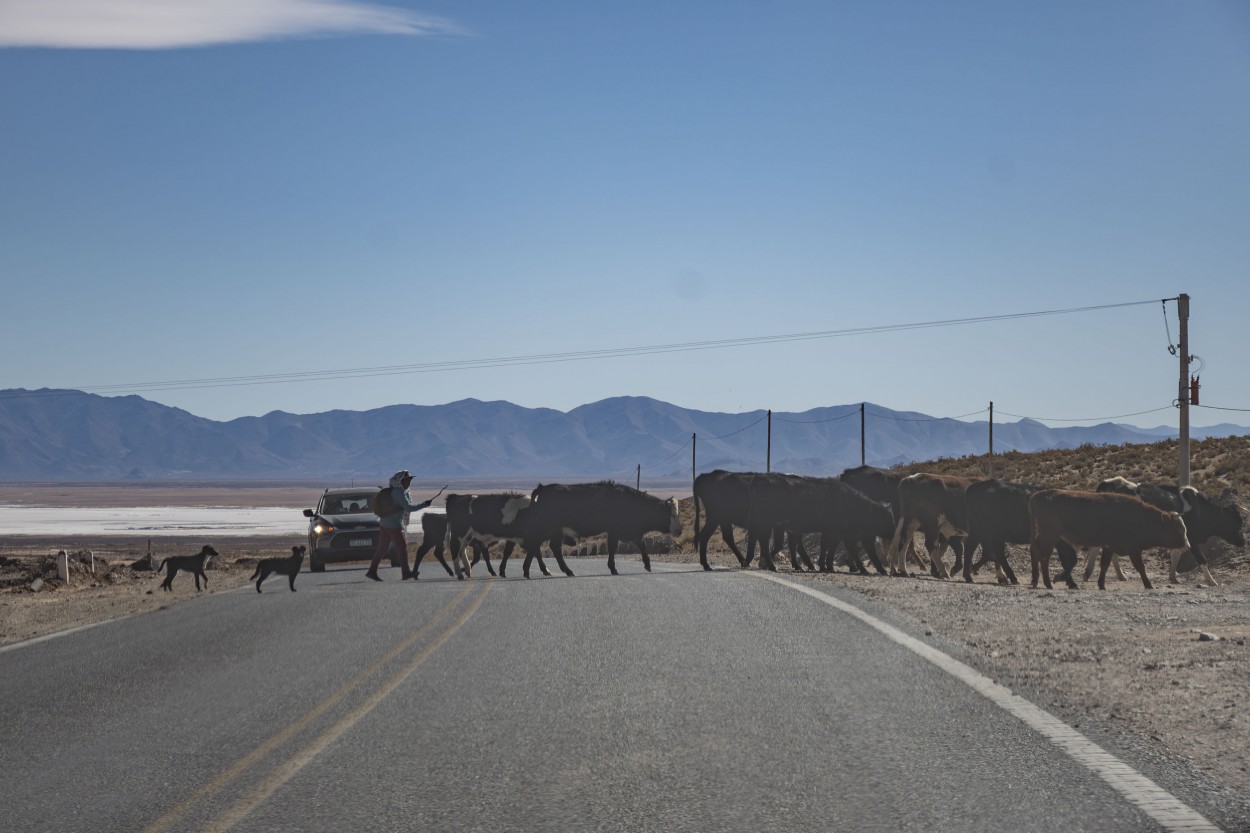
{"x":316,"y":566}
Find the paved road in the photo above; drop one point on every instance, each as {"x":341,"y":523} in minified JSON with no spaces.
{"x":670,"y":701}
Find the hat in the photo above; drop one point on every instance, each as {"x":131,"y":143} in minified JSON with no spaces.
{"x":398,"y":477}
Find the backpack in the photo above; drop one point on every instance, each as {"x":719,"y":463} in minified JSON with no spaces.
{"x":383,"y":503}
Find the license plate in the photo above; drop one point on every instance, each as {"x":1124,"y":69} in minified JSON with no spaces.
{"x":360,"y":542}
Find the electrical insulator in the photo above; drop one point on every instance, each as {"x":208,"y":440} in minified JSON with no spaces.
{"x":1193,"y":390}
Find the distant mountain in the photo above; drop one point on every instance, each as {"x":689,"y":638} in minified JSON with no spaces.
{"x":56,"y":435}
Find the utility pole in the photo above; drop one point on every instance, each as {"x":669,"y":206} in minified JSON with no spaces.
{"x":694,"y":445}
{"x":991,"y":438}
{"x":1182,"y":400}
{"x":861,"y":434}
{"x":638,"y":478}
{"x":768,"y":459}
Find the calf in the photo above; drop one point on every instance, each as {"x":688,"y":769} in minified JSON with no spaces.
{"x":1204,"y":518}
{"x":1117,"y":523}
{"x":433,"y":537}
{"x":933,"y":504}
{"x":583,"y":509}
{"x":480,"y":520}
{"x":998,"y":515}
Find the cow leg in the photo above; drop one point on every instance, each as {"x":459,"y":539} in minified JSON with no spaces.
{"x":900,"y":544}
{"x":1140,"y":566}
{"x":766,"y":551}
{"x":1105,"y":562}
{"x":646,"y":559}
{"x":1089,"y":563}
{"x":612,"y":542}
{"x":937,"y":569}
{"x":458,"y":557}
{"x":556,"y":545}
{"x":425,"y":547}
{"x":869,"y":543}
{"x":970,"y":547}
{"x":1067,"y":560}
{"x":482,"y":551}
{"x":705,"y":535}
{"x":1115,"y":562}
{"x":727,"y":533}
{"x":538,"y":556}
{"x":507,"y":553}
{"x":1201,"y":558}
{"x":1039,"y":555}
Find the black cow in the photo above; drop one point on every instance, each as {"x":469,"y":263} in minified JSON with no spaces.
{"x":726,"y":497}
{"x":998,"y":515}
{"x":881,"y":485}
{"x":579,"y":510}
{"x":433,"y":536}
{"x":826,"y":505}
{"x":480,"y":520}
{"x":1204,"y":518}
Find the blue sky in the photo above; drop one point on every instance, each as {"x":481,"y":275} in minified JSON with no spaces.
{"x":275,"y":190}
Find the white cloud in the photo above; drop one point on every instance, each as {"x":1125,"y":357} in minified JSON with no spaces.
{"x":169,"y":24}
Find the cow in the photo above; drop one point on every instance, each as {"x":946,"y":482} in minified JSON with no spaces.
{"x":480,"y":520}
{"x":1117,"y":523}
{"x":1204,"y":518}
{"x":880,"y":485}
{"x":582,"y":509}
{"x":726,"y":498}
{"x":997,"y":515}
{"x":433,"y":536}
{"x":838,"y":512}
{"x":933,"y":504}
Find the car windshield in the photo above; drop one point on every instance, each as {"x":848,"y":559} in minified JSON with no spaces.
{"x":346,"y":504}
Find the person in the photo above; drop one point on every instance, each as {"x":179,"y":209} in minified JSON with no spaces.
{"x":391,"y":527}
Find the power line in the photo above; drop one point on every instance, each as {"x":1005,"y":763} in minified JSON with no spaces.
{"x":569,"y":356}
{"x":1089,"y":419}
{"x":817,"y":421}
{"x":924,"y":419}
{"x":1218,"y":408}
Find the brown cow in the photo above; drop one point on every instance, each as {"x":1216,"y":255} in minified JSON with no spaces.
{"x":1120,"y":524}
{"x":933,"y":504}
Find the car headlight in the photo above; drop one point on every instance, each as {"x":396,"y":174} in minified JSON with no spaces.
{"x":320,"y":529}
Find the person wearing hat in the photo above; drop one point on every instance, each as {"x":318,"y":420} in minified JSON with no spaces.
{"x":391,"y":525}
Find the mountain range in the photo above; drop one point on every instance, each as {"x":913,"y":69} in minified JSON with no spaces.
{"x":67,"y":435}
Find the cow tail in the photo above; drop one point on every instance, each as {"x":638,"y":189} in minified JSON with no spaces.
{"x":162,"y":567}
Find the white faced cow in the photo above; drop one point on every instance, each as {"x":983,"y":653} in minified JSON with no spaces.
{"x":933,"y":504}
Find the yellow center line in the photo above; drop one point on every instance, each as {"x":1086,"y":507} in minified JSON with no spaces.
{"x":240,"y":766}
{"x":307,"y":754}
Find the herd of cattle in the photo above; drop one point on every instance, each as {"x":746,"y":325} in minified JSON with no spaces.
{"x":866,"y":510}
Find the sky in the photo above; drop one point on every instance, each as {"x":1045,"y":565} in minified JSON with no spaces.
{"x":307,"y":205}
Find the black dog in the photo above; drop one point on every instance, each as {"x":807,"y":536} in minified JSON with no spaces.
{"x":193,"y":564}
{"x":288,"y":566}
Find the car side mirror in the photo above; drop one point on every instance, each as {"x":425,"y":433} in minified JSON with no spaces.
{"x":308,"y":513}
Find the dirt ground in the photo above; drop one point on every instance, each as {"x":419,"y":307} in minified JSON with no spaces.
{"x":1168,"y":668}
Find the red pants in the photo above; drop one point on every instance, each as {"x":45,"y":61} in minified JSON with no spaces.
{"x":386,"y":537}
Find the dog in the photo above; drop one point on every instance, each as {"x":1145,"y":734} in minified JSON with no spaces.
{"x":193,"y":564}
{"x":288,"y":566}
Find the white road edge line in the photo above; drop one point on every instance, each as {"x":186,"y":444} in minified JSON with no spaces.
{"x":1169,"y":811}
